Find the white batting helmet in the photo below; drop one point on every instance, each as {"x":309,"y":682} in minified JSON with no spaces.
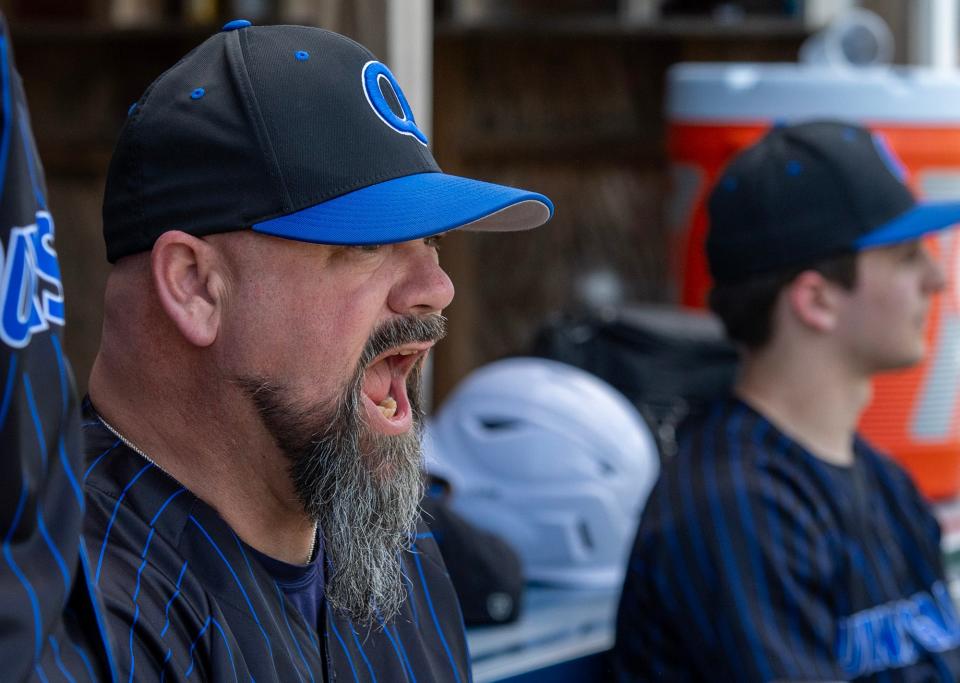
{"x":551,"y":458}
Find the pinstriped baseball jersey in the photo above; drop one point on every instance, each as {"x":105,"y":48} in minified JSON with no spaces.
{"x":48,"y":615}
{"x":757,"y":561}
{"x":186,"y":599}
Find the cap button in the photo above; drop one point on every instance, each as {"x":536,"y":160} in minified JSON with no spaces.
{"x":235,"y":24}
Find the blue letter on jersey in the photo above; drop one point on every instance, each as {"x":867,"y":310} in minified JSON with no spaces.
{"x":373,"y":74}
{"x":24,"y":309}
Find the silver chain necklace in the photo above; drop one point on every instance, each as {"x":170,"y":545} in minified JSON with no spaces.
{"x":132,"y":446}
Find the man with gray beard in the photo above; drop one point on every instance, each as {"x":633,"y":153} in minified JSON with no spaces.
{"x":273,"y":215}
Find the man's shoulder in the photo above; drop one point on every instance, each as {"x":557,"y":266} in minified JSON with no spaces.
{"x":723,"y":425}
{"x":731,"y":459}
{"x":127,"y":496}
{"x":727,"y":442}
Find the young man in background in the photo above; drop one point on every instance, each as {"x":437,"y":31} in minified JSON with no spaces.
{"x":778,"y":544}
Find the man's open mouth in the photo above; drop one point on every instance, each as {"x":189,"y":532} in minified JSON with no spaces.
{"x":385,"y":387}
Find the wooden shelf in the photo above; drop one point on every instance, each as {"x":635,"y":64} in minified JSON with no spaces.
{"x":525,"y":149}
{"x":86,"y":33}
{"x":611,"y":26}
{"x":570,"y":26}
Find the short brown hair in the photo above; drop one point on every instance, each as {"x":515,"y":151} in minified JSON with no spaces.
{"x":746,"y":308}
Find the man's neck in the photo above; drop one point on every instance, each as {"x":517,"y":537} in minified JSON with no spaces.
{"x":217,"y":453}
{"x":817,"y":404}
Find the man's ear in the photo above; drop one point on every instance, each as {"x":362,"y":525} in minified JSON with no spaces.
{"x":814,"y":300}
{"x":187,"y":274}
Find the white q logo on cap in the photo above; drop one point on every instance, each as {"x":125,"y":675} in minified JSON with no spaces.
{"x":372,"y":76}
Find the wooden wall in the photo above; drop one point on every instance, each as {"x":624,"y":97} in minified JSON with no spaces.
{"x":573,"y":109}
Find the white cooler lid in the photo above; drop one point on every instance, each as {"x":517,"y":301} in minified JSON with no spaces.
{"x":752,"y":92}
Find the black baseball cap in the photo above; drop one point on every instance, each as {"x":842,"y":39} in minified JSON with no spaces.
{"x":295,"y":132}
{"x":810,"y":191}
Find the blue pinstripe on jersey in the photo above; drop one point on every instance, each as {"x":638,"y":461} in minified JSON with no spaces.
{"x":71,"y":477}
{"x":35,"y":416}
{"x":136,"y":606}
{"x":734,"y":580}
{"x":393,"y":643}
{"x":346,"y":651}
{"x":86,"y":661}
{"x":55,"y":646}
{"x":759,"y":579}
{"x":363,"y":654}
{"x":253,"y":579}
{"x":100,"y":457}
{"x":226,"y":641}
{"x":433,"y":613}
{"x":23,"y":120}
{"x":176,"y":592}
{"x":403,"y":652}
{"x":62,"y":372}
{"x":692,"y":521}
{"x":8,"y":389}
{"x":27,"y":586}
{"x":42,"y":676}
{"x":286,"y":621}
{"x":113,"y":518}
{"x":707,"y":448}
{"x":193,"y":646}
{"x":163,"y":507}
{"x":5,"y":138}
{"x":413,"y":603}
{"x":163,"y":665}
{"x":86,"y":575}
{"x":792,"y":616}
{"x":314,"y":640}
{"x":239,"y":583}
{"x":693,"y":606}
{"x":57,"y":557}
{"x":143,"y":564}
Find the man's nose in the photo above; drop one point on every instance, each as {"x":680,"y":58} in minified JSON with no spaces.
{"x":424,"y":286}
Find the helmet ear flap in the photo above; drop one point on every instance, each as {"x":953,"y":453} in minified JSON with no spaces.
{"x":552,"y":459}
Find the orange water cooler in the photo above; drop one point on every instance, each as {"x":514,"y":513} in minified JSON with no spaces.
{"x":714,"y":110}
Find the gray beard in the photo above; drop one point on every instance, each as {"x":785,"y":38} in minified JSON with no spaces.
{"x":363,"y":488}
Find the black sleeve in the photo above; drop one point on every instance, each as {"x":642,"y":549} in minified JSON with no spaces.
{"x":50,"y":622}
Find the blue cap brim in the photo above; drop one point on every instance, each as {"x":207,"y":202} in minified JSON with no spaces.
{"x":411,"y":207}
{"x":913,"y":224}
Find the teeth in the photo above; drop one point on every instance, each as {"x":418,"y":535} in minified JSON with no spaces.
{"x":406,"y":353}
{"x":388,"y":406}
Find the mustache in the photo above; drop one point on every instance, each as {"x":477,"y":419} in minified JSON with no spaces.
{"x":408,"y":329}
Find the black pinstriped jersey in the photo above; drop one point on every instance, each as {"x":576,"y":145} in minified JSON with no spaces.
{"x":186,"y":599}
{"x":757,"y":561}
{"x":48,"y":614}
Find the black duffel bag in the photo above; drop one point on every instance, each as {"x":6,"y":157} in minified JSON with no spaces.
{"x":669,"y":361}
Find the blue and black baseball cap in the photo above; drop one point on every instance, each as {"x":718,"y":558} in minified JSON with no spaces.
{"x":295,"y":132}
{"x":808,"y":192}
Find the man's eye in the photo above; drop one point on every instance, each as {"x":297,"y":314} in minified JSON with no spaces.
{"x":913,"y":252}
{"x":370,"y":248}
